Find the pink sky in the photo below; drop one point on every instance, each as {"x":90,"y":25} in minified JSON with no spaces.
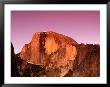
{"x":82,"y":26}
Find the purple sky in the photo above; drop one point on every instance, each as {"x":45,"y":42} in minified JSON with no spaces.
{"x":82,"y":26}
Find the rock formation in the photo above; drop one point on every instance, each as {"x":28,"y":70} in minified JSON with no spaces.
{"x":55,"y":51}
{"x":87,"y":61}
{"x":14,"y":69}
{"x":26,"y":69}
{"x":50,"y":54}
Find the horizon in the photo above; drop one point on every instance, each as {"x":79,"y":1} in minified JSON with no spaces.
{"x":82,"y":26}
{"x":62,"y":34}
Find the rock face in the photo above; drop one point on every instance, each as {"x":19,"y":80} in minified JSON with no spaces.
{"x":86,"y":64}
{"x":87,"y":61}
{"x":55,"y":51}
{"x":26,"y":69}
{"x":50,"y":54}
{"x":14,"y":69}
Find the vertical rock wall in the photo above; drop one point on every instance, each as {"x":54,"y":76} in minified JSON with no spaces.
{"x":56,"y":51}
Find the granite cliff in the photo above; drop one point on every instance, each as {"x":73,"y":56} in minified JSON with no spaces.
{"x":53,"y":54}
{"x":51,"y":49}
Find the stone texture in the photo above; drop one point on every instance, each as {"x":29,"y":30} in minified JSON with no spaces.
{"x":26,"y":69}
{"x":55,"y":51}
{"x":86,"y":64}
{"x":87,"y":61}
{"x":50,"y":54}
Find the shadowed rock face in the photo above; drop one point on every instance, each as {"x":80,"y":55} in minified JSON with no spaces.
{"x":55,"y":51}
{"x":26,"y":69}
{"x":14,"y":69}
{"x":87,"y":61}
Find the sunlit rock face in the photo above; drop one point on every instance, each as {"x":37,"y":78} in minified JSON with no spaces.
{"x":55,"y":51}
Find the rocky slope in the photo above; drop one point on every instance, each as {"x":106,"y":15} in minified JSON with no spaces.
{"x":51,"y":54}
{"x":26,"y":69}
